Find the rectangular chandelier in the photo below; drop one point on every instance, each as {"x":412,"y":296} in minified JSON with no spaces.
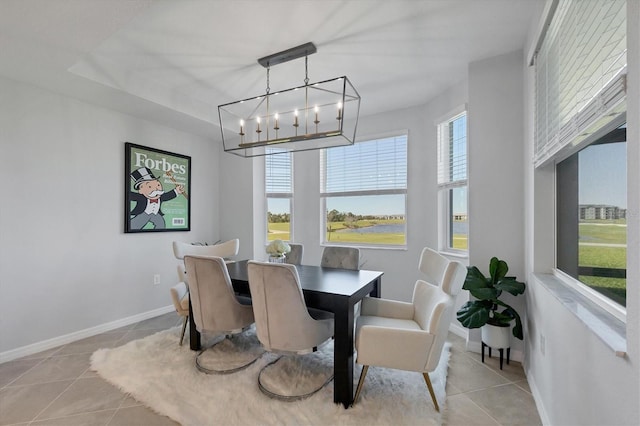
{"x":312,"y":116}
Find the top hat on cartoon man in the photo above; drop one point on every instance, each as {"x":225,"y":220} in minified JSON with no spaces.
{"x":143,"y":174}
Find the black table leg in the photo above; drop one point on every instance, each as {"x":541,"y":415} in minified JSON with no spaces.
{"x":343,"y":354}
{"x":194,"y":335}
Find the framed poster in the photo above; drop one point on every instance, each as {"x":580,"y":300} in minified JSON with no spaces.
{"x":156,"y":190}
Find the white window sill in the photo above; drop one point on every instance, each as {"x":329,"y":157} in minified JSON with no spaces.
{"x":603,"y":324}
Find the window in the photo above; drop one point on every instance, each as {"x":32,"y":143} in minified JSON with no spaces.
{"x":364,"y":192}
{"x":580,"y":87}
{"x":279,"y":194}
{"x":592,"y":223}
{"x":452,"y":183}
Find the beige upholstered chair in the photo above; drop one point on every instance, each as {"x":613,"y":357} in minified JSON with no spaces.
{"x":180,"y":298}
{"x":294,"y":257}
{"x":341,"y":257}
{"x":216,"y":309}
{"x":410,"y":336}
{"x":225,"y":249}
{"x":284,"y":324}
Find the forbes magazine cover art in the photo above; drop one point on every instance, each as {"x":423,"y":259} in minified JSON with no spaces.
{"x":157,"y":190}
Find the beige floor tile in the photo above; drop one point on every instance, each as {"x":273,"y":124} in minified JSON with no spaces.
{"x":508,"y":404}
{"x":467,"y":374}
{"x":97,"y":418}
{"x":44,"y":354}
{"x":135,"y":335}
{"x":10,"y":371}
{"x":56,"y":368}
{"x":461,"y":411}
{"x":23,"y":403}
{"x":159,"y":323}
{"x":524,"y":385}
{"x":84,"y":396}
{"x":139,"y":415}
{"x":92,"y":344}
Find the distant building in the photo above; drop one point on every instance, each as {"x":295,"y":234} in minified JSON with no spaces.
{"x":602,"y":212}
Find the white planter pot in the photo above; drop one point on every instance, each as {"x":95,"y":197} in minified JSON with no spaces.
{"x":496,"y":337}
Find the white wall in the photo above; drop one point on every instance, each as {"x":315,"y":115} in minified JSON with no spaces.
{"x":65,"y":263}
{"x":578,"y":380}
{"x":496,"y":181}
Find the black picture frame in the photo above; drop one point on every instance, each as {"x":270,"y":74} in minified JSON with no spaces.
{"x":157,"y":185}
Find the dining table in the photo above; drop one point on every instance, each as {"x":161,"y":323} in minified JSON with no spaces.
{"x":330,"y":289}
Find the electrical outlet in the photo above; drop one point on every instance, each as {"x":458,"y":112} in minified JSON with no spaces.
{"x":542,"y":344}
{"x":156,"y":279}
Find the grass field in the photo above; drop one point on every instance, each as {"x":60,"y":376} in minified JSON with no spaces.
{"x":603,"y":256}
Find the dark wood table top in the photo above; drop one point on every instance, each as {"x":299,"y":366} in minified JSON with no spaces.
{"x":342,"y":282}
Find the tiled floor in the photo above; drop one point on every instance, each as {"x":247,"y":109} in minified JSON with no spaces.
{"x":57,"y":387}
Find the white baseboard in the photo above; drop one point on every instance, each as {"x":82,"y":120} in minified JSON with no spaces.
{"x":458,"y":330}
{"x":544,"y":417}
{"x":44,"y":345}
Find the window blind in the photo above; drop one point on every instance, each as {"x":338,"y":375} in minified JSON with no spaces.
{"x":278,"y":171}
{"x":378,"y":165}
{"x":580,"y":76}
{"x":452,"y":151}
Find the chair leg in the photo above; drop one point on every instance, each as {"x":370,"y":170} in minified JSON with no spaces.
{"x":184,"y":327}
{"x":433,"y":395}
{"x":360,"y":383}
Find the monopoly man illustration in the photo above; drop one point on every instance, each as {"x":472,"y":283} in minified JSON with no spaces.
{"x":149,"y":198}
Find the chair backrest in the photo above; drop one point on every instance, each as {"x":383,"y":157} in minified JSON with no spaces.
{"x":341,"y":257}
{"x":179,"y":298}
{"x":283,"y":323}
{"x":434,"y":305}
{"x":213,"y":301}
{"x":294,"y":257}
{"x":182,"y":273}
{"x":433,"y":265}
{"x":225,"y":250}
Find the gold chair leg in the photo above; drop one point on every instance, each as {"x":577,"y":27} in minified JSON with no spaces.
{"x":433,"y":395}
{"x":184,"y":327}
{"x":360,"y":383}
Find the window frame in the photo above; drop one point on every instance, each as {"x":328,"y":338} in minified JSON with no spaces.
{"x":605,"y":302}
{"x":358,"y":193}
{"x":279,"y":195}
{"x":445,"y":227}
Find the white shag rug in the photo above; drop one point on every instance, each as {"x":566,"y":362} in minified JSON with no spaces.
{"x":162,"y":375}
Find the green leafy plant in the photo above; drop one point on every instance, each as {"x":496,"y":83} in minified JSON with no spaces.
{"x":488,"y":308}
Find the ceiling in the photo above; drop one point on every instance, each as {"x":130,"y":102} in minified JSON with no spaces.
{"x":175,"y":61}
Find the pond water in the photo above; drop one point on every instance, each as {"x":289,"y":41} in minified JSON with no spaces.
{"x":397,"y":228}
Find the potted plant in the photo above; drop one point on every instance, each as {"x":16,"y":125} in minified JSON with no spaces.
{"x":488,"y":311}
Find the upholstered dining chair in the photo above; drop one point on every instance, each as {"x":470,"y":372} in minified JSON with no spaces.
{"x":341,"y":257}
{"x":410,"y":336}
{"x":284,"y":324}
{"x":180,"y":299}
{"x":217,"y":310}
{"x":225,"y":250}
{"x":294,"y":257}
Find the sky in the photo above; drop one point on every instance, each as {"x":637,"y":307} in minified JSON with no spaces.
{"x":603,"y":174}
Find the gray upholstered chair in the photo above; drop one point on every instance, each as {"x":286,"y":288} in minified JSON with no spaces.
{"x":180,"y":299}
{"x":341,"y":257}
{"x":226,"y":249}
{"x":410,"y":336}
{"x":216,"y":309}
{"x":294,"y":257}
{"x":284,"y":324}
